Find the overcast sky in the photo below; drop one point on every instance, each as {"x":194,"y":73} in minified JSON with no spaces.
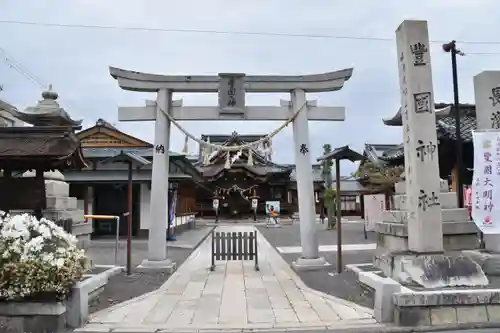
{"x":76,"y":60}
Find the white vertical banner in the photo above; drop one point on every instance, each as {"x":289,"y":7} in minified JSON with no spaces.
{"x":485,"y":181}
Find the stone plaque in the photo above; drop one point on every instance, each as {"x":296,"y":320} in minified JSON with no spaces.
{"x":232,"y":94}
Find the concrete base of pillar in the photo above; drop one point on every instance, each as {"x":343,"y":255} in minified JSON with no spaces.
{"x":165,"y":265}
{"x":489,"y":262}
{"x":305,"y":264}
{"x":492,"y":243}
{"x":432,"y":270}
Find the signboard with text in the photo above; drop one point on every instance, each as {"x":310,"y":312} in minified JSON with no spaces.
{"x":232,"y":96}
{"x":486,"y":178}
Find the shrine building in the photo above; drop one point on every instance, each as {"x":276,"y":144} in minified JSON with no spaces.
{"x":101,"y":188}
{"x":237,"y":177}
{"x":445,"y":126}
{"x":233,"y":177}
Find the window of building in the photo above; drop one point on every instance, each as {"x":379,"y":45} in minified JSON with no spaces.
{"x":348,"y":202}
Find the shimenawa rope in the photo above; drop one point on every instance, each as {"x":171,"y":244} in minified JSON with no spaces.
{"x":234,"y":148}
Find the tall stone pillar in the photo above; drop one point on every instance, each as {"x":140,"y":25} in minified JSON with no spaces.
{"x":157,"y":250}
{"x":418,"y":240}
{"x":487,"y":97}
{"x":425,"y":232}
{"x":310,"y":258}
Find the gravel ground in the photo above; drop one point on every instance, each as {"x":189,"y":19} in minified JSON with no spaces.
{"x":344,"y":285}
{"x":289,"y":235}
{"x":121,"y":287}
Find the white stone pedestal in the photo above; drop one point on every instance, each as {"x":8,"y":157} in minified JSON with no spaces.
{"x":165,"y":265}
{"x":60,"y":206}
{"x":305,"y":264}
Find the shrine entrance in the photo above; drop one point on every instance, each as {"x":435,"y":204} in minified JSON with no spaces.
{"x":236,"y":205}
{"x":235,"y":202}
{"x":231,"y":88}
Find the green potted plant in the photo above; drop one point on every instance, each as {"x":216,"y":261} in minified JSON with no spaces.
{"x":39,"y":265}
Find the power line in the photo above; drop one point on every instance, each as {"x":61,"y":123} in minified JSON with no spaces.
{"x":26,"y":73}
{"x":228,"y":32}
{"x":18,"y":67}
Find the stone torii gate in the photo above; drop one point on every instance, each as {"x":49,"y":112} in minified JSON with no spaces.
{"x":231,"y":88}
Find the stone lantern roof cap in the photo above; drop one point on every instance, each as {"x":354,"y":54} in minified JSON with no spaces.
{"x":47,"y":112}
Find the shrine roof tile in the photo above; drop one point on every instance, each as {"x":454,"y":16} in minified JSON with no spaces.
{"x":45,"y":147}
{"x":445,"y":130}
{"x":376,"y":153}
{"x":316,"y":173}
{"x":445,"y":127}
{"x":342,"y":153}
{"x":110,"y":152}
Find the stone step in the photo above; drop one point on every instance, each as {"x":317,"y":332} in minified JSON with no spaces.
{"x":72,"y":214}
{"x":448,"y":200}
{"x":449,"y":228}
{"x":55,"y":188}
{"x":448,"y":215}
{"x":400,"y":187}
{"x":61,"y":203}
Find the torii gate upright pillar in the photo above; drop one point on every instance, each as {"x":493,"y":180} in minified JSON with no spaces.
{"x":231,"y":88}
{"x":305,"y":190}
{"x":157,"y":250}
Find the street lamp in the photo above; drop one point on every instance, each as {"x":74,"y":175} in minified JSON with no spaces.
{"x":451,"y":48}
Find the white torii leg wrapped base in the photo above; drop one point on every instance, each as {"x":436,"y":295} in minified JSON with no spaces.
{"x":306,"y":264}
{"x":167,"y":265}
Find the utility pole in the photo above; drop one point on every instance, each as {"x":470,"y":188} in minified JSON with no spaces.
{"x":451,"y":48}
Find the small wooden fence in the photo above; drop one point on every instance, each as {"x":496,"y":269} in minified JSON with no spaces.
{"x":234,"y":246}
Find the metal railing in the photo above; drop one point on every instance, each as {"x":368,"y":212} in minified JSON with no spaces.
{"x":109,"y":217}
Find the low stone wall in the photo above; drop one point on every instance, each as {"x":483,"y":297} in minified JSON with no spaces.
{"x":447,"y":307}
{"x":82,"y":293}
{"x":392,"y":240}
{"x":21,"y":317}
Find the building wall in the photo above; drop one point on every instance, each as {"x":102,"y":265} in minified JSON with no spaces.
{"x":185,"y":206}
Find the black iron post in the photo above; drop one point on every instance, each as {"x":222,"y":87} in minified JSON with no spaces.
{"x":340,"y":266}
{"x":452,"y":49}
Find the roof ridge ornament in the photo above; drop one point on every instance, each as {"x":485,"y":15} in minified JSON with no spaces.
{"x":50,"y":94}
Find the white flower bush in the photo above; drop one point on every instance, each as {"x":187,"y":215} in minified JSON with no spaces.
{"x":39,"y":261}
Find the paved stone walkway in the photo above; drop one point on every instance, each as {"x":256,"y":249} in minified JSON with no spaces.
{"x":234,"y":296}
